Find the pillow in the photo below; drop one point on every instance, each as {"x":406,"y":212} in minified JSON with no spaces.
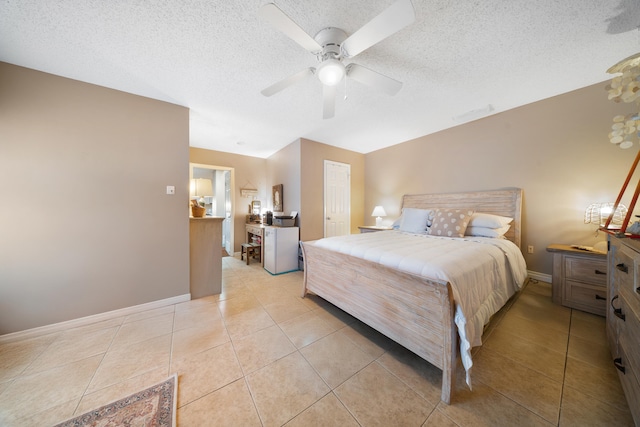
{"x":415,"y":220}
{"x":396,"y":223}
{"x":480,"y":219}
{"x":450,"y":222}
{"x":486,"y":232}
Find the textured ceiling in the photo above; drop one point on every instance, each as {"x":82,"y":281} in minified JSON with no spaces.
{"x":215,"y":56}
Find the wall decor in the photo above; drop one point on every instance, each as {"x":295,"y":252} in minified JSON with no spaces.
{"x":277,"y":198}
{"x":625,"y":87}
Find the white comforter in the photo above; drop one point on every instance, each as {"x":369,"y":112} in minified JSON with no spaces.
{"x":483,"y":272}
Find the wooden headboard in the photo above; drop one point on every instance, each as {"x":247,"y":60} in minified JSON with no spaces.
{"x":507,"y":202}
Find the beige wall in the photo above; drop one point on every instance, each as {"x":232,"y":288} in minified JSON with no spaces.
{"x":556,"y":150}
{"x":299,"y":167}
{"x":283,"y":168}
{"x":313,"y":155}
{"x":249,"y":172}
{"x":85,"y":224}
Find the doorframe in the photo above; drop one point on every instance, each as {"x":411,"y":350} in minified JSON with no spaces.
{"x":324,"y":200}
{"x":231,"y":197}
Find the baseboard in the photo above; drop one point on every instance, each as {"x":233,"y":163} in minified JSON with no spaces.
{"x":541,"y":277}
{"x":83,"y":321}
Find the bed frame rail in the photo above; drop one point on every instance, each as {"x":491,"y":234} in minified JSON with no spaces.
{"x":414,"y":311}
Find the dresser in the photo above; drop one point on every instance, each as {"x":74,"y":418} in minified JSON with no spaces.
{"x":579,"y":278}
{"x":623,"y":314}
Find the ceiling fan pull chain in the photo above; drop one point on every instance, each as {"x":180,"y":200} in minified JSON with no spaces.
{"x":345,"y":88}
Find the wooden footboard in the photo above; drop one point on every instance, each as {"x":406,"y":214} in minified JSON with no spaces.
{"x":413,"y":311}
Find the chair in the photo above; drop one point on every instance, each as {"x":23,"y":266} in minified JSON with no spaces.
{"x":250,"y":250}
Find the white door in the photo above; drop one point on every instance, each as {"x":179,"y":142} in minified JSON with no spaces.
{"x":337,"y":198}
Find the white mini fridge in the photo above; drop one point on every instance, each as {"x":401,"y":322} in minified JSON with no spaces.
{"x":281,"y":249}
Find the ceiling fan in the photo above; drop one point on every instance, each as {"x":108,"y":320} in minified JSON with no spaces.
{"x":332,"y":45}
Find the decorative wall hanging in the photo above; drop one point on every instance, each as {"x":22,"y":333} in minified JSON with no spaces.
{"x":248,"y":192}
{"x":625,"y":87}
{"x":277,"y":198}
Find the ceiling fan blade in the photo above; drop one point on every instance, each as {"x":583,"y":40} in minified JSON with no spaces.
{"x":391,"y":20}
{"x":276,"y":17}
{"x":328,"y":101}
{"x":374,"y":79}
{"x":289,"y":81}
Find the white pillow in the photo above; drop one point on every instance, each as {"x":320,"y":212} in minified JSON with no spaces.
{"x":486,"y":231}
{"x":415,"y":220}
{"x":486,"y":220}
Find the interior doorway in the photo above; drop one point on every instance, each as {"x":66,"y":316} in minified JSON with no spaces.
{"x":337,"y":199}
{"x":221,"y":203}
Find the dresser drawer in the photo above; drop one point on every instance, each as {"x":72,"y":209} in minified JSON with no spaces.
{"x":623,"y":267}
{"x":586,"y":270}
{"x":254,"y":229}
{"x":631,"y":299}
{"x":630,"y":383}
{"x":628,"y":330}
{"x":585,"y":296}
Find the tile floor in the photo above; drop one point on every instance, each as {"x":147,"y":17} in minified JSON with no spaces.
{"x":259,"y":355}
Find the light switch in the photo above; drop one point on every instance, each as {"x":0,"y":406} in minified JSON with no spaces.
{"x":171,"y":189}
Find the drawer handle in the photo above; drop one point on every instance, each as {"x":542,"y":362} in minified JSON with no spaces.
{"x":618,"y":364}
{"x":601,"y":272}
{"x":617,"y":311}
{"x":622,"y":267}
{"x":599,"y":297}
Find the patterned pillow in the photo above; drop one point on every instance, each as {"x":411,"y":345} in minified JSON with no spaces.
{"x":450,"y":222}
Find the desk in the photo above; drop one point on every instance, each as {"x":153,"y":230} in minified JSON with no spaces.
{"x":205,"y":256}
{"x":256,"y":231}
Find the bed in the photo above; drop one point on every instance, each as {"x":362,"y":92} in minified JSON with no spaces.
{"x":378,"y":278}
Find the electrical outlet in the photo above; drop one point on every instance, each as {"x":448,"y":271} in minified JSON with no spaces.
{"x":530,"y":249}
{"x":171,"y":189}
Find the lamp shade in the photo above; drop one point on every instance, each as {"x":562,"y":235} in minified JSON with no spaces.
{"x":201,"y":187}
{"x":378,"y":211}
{"x":598,"y":213}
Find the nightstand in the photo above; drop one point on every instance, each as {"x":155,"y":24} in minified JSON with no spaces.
{"x":372,"y":228}
{"x":579,"y":278}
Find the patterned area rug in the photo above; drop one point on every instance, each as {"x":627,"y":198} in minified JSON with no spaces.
{"x":155,"y":406}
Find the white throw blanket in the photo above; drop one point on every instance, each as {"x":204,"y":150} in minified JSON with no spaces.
{"x":483,"y":272}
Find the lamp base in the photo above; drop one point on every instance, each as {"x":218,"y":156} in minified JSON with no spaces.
{"x":379,"y":221}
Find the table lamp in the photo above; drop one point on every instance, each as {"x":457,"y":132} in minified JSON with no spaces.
{"x":201,"y":188}
{"x":378,"y":212}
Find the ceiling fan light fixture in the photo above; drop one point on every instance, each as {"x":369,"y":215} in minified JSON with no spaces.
{"x":331,"y":72}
